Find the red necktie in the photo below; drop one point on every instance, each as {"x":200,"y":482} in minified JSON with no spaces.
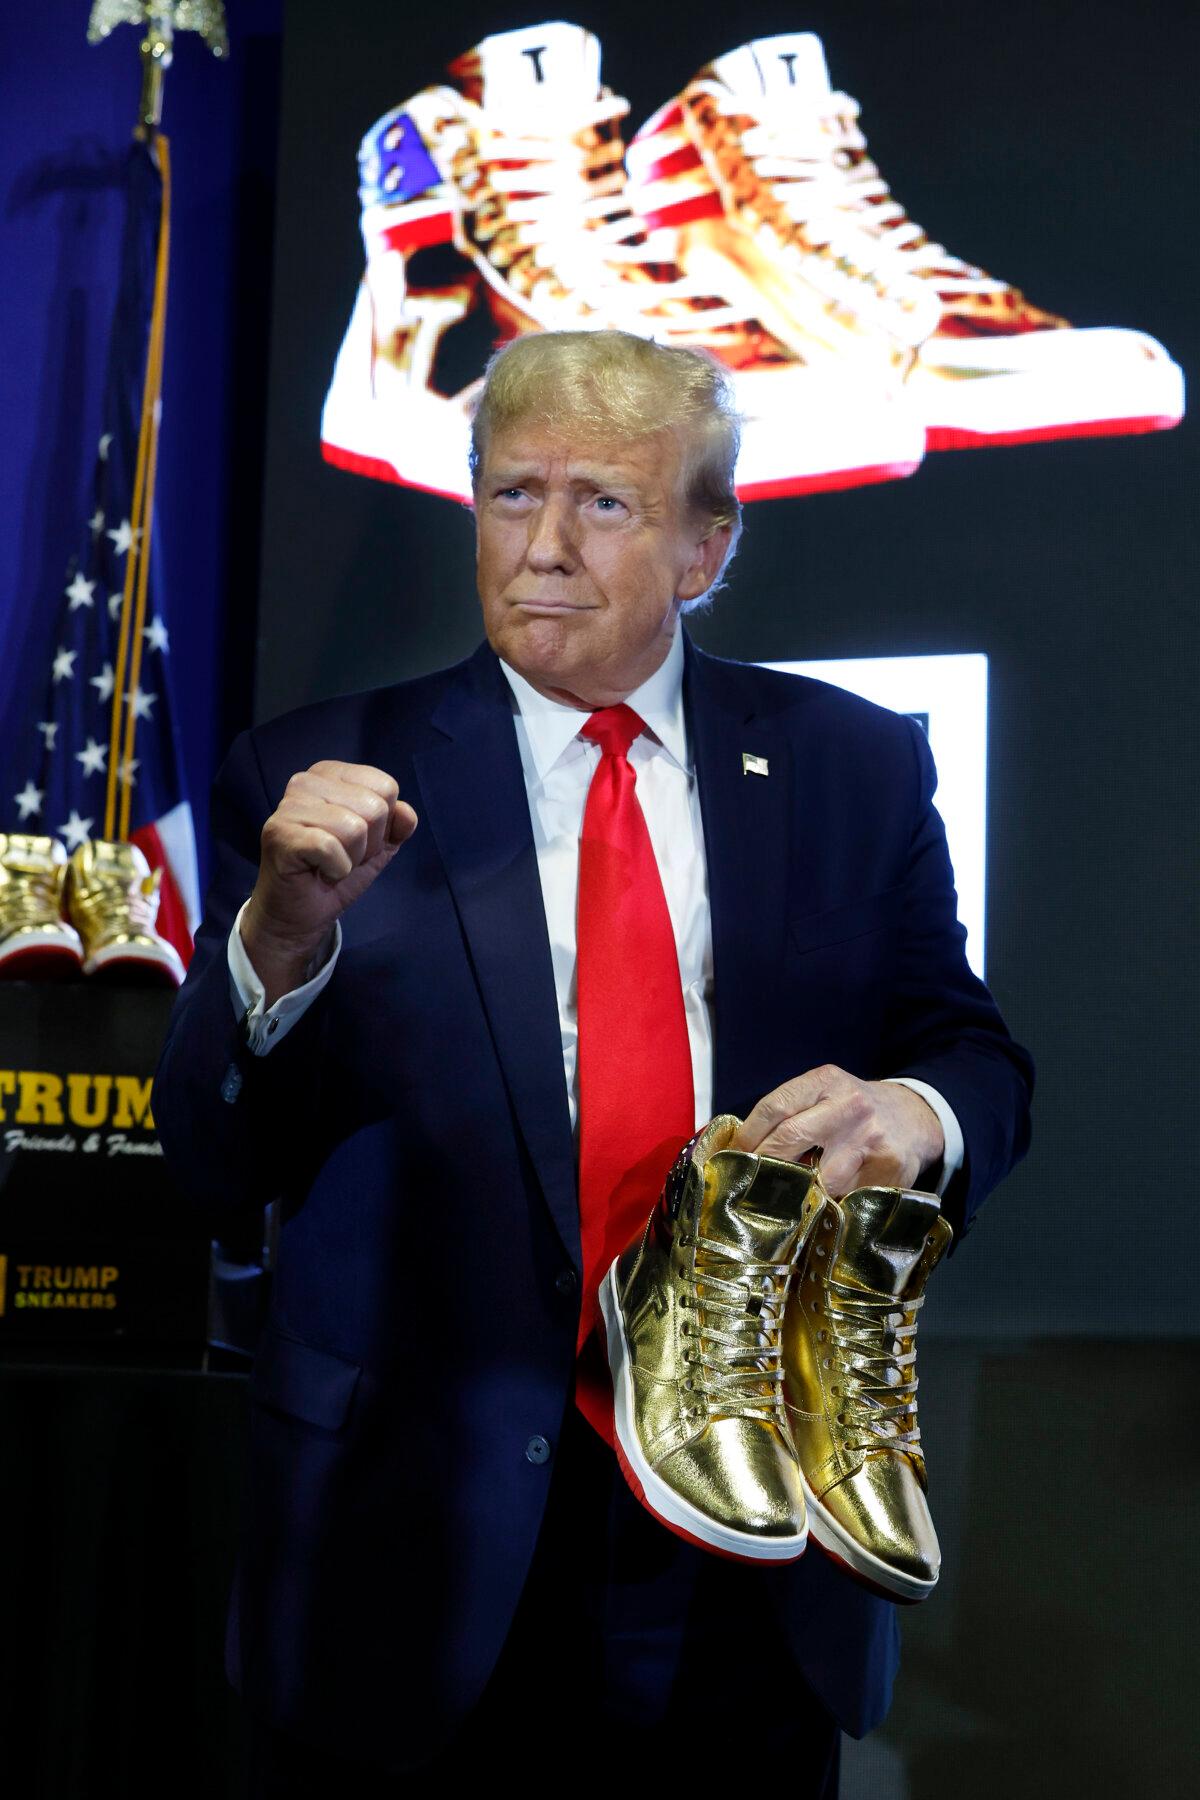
{"x":636,"y":1100}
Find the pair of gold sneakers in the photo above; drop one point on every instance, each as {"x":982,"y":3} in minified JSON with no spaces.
{"x":761,"y":1339}
{"x":95,"y":910}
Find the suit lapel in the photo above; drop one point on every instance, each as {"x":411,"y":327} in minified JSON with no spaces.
{"x":748,"y":827}
{"x":474,"y":798}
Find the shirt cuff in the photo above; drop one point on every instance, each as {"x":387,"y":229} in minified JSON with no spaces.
{"x":265,"y":1026}
{"x":952,"y":1155}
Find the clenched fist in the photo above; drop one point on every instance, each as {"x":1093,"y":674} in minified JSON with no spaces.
{"x":337,"y":827}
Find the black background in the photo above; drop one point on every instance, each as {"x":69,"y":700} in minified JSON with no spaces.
{"x":1056,"y":147}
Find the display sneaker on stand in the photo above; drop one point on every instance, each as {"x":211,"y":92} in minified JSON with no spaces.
{"x":112,"y":899}
{"x":693,"y":1313}
{"x":762,"y":165}
{"x":850,"y":1383}
{"x":501,"y":201}
{"x":36,"y":941}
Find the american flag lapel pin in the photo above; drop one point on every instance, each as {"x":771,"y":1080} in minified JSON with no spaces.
{"x":754,"y":765}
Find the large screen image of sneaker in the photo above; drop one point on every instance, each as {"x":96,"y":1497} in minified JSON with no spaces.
{"x":745,"y":218}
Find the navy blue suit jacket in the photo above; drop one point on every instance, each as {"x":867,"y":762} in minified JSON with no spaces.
{"x":414,"y":1126}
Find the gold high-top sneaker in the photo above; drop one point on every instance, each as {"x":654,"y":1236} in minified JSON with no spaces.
{"x":693,"y":1312}
{"x":112,"y":898}
{"x":762,"y":164}
{"x":504,"y":192}
{"x":36,"y":942}
{"x":850,"y":1381}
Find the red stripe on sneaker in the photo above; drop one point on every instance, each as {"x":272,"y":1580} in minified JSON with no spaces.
{"x":682,"y":212}
{"x":831,"y":481}
{"x":376,"y":469}
{"x":955,"y":437}
{"x":421,"y":232}
{"x":672,"y":162}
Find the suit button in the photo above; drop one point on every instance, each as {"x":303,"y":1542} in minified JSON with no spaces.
{"x":537,"y":1450}
{"x":565,"y":1281}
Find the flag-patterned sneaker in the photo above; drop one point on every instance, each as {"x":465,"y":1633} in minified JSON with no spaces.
{"x":509,"y":188}
{"x":763,"y":169}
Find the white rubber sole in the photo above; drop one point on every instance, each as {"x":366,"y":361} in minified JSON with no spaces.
{"x":837,"y":1543}
{"x":668,"y":1507}
{"x":163,"y":963}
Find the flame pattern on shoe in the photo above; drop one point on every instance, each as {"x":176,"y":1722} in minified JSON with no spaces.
{"x":517,"y":172}
{"x":762,"y":167}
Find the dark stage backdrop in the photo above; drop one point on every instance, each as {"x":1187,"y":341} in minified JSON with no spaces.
{"x":1054,"y":146}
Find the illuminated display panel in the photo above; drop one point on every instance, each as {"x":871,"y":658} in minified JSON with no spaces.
{"x":948,"y":696}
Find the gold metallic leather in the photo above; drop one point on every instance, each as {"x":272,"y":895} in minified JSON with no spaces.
{"x":850,"y":1383}
{"x":32,"y":872}
{"x":702,"y":1294}
{"x":112,"y":898}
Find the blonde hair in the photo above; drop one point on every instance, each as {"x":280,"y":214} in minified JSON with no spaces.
{"x":610,"y":383}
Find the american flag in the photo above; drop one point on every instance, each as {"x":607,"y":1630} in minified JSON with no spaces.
{"x":103,"y":758}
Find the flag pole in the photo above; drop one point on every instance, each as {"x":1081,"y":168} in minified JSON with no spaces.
{"x":162,"y":18}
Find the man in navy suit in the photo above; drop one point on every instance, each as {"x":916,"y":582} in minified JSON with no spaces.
{"x":442,"y":1568}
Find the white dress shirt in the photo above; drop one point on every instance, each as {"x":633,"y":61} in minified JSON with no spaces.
{"x":558,"y":766}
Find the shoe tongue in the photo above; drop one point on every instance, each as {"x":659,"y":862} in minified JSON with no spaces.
{"x":886,"y":1229}
{"x":747,"y":1204}
{"x":790,"y":67}
{"x":542,"y":74}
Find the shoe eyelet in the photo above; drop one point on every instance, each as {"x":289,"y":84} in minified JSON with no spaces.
{"x":827,"y":1363}
{"x":689,"y":1386}
{"x":821,"y":1251}
{"x":821,"y":1336}
{"x":827,"y":1223}
{"x":834,"y":1389}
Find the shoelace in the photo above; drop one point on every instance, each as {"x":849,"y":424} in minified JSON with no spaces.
{"x":878,"y":1391}
{"x":738,"y":1304}
{"x":560,"y":221}
{"x":829,"y":186}
{"x":30,"y":899}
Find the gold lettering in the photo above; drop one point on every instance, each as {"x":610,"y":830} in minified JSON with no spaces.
{"x":41,"y":1098}
{"x":78,"y":1087}
{"x":133,"y":1103}
{"x":62,"y":1278}
{"x":41,"y":1275}
{"x":24,"y":1271}
{"x":108,"y":1276}
{"x":8,"y":1085}
{"x":87,"y":1278}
